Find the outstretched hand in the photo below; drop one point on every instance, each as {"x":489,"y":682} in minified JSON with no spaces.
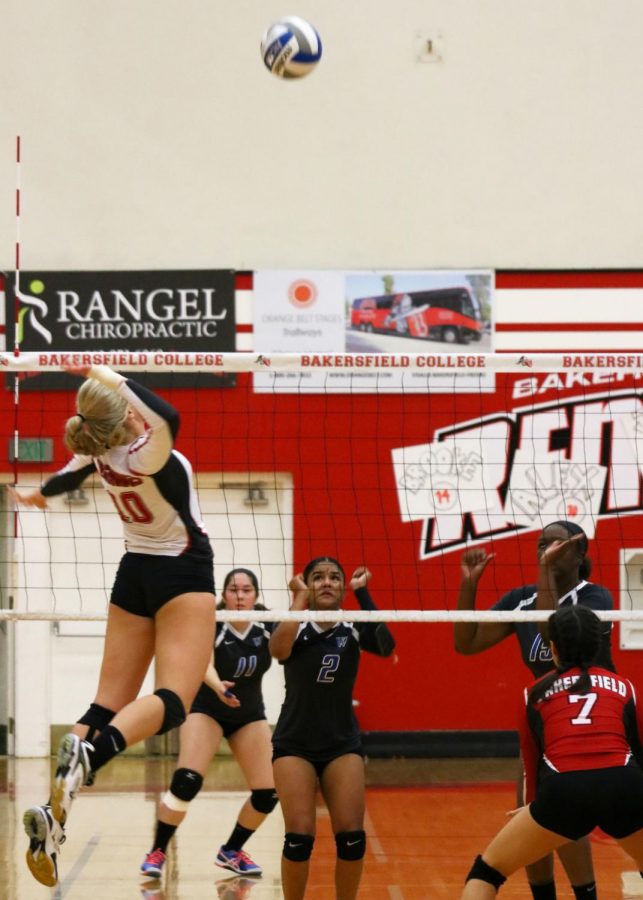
{"x":360,"y":578}
{"x":33,"y":498}
{"x":474,"y":561}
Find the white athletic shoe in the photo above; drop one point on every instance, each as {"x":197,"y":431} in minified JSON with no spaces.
{"x":72,"y":773}
{"x":45,"y":837}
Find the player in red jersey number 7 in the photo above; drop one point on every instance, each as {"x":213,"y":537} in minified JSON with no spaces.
{"x":580,"y":735}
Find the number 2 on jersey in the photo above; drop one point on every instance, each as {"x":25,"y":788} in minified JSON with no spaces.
{"x":330,"y":664}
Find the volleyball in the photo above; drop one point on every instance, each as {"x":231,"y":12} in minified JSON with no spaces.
{"x":291,"y":48}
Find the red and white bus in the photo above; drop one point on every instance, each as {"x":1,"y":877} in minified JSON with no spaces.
{"x":452,"y":315}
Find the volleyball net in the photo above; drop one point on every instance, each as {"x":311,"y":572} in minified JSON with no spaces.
{"x":395,"y":462}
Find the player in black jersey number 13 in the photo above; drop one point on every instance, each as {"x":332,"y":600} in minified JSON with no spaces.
{"x":563,"y":571}
{"x":317,"y":737}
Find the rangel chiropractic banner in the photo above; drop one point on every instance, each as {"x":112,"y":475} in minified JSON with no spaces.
{"x":368,"y":312}
{"x":76,"y":312}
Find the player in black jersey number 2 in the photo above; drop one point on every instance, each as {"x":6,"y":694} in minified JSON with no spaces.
{"x":317,"y":737}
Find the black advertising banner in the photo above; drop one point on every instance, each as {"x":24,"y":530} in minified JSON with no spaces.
{"x":183,"y":311}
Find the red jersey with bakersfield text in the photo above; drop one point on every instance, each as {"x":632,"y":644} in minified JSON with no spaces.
{"x":569,"y":731}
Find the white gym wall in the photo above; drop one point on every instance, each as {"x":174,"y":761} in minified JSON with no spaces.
{"x":153,"y":136}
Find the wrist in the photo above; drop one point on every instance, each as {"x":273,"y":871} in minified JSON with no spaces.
{"x":106,"y":376}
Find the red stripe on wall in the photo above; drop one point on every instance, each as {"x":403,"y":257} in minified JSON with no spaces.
{"x":575,"y":351}
{"x":598,"y":278}
{"x":243,"y":281}
{"x":244,"y":328}
{"x":569,"y":326}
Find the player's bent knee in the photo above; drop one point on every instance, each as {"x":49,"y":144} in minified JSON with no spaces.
{"x":482,"y":871}
{"x":298,"y":847}
{"x":97,"y":718}
{"x":351,"y":845}
{"x":264,"y":800}
{"x":174,"y":710}
{"x":185,"y":785}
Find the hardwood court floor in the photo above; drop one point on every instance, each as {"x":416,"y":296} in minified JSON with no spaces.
{"x":426,"y":821}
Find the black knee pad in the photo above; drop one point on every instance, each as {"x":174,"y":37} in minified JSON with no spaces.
{"x":186,"y":784}
{"x":298,"y":847}
{"x":264,"y":800}
{"x":351,"y":845}
{"x":174,"y":710}
{"x":97,"y":717}
{"x":484,"y":872}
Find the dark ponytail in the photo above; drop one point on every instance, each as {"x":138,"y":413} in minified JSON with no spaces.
{"x":575,"y":631}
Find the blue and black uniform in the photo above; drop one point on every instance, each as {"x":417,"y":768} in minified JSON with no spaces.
{"x":317,"y":721}
{"x":534,"y":650}
{"x":243,"y":658}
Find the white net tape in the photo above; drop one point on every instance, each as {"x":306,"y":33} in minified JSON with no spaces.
{"x":379,"y":615}
{"x":464,"y":362}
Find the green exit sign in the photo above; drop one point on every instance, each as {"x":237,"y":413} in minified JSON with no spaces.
{"x":32,"y":450}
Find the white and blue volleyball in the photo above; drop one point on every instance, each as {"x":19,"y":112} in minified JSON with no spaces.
{"x":291,"y":48}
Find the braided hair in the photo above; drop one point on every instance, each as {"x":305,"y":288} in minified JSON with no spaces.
{"x":575,"y":631}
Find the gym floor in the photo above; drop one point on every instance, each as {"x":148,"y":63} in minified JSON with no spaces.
{"x":426,"y":820}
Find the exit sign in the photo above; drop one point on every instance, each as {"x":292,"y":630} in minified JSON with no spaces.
{"x":32,"y":450}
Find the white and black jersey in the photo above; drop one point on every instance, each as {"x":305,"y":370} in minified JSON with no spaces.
{"x":149,"y":482}
{"x":534,"y":650}
{"x":317,"y":719}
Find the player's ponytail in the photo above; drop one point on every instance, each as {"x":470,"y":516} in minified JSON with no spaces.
{"x":575,"y":632}
{"x":100,"y":421}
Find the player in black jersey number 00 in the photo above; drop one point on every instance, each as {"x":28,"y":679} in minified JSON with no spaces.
{"x":228,"y":704}
{"x":317,"y":737}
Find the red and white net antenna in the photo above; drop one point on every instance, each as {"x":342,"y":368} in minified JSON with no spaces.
{"x":16,"y":335}
{"x":16,"y":324}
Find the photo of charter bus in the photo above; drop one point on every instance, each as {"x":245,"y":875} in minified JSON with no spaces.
{"x":452,"y":315}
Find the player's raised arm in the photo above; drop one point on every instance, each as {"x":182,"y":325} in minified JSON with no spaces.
{"x":375,"y":637}
{"x":474,"y":637}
